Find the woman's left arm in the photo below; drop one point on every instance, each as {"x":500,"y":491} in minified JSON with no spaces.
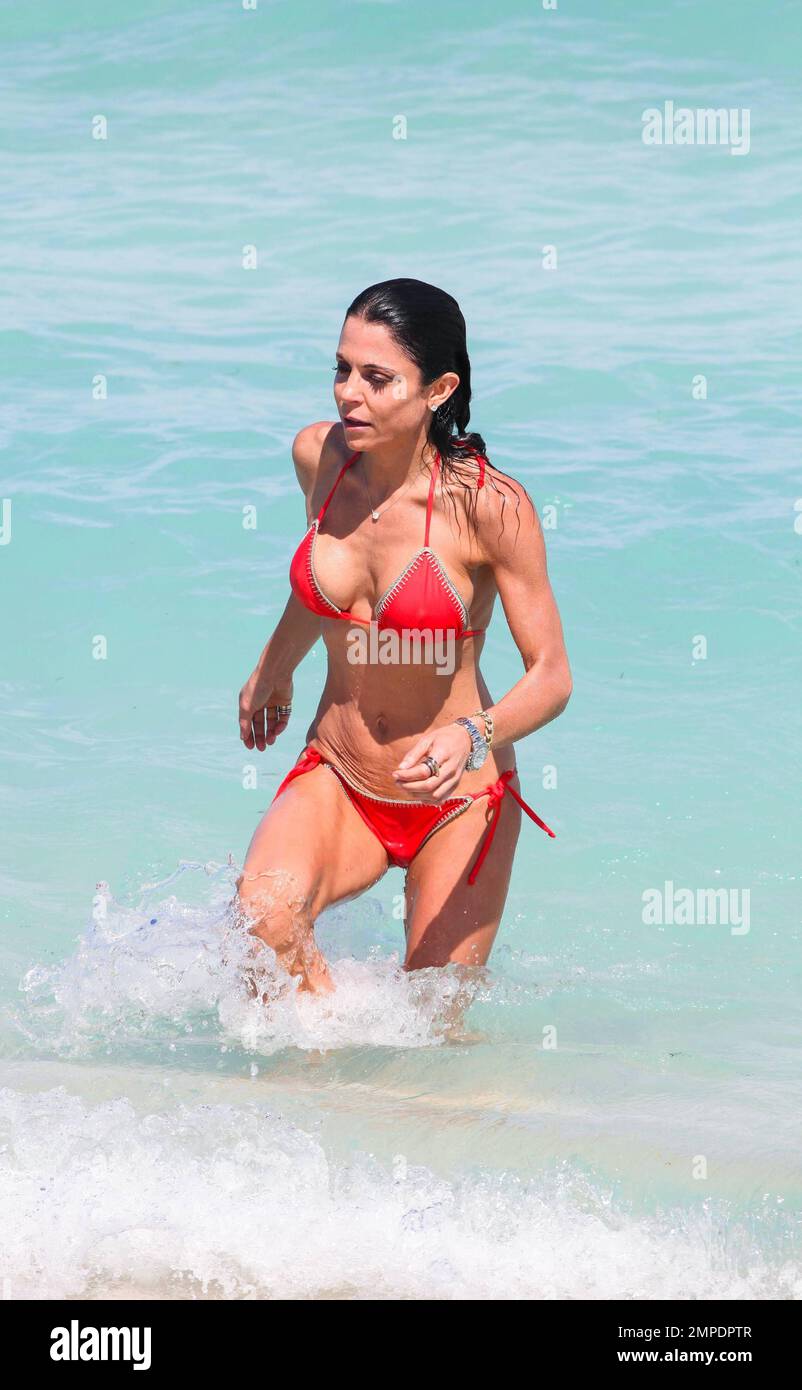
{"x":518,"y":560}
{"x":517,"y":557}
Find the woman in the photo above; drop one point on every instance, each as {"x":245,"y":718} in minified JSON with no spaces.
{"x":408,"y":760}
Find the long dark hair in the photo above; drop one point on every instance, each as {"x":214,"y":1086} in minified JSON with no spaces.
{"x":428,"y":325}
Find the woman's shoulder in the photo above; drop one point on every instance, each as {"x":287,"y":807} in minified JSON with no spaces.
{"x":491,"y":485}
{"x":495,"y":496}
{"x":316,"y":449}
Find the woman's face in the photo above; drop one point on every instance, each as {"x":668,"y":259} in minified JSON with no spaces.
{"x":377,"y":385}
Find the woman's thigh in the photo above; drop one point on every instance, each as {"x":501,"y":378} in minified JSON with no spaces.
{"x":312,"y":845}
{"x":448,"y":919}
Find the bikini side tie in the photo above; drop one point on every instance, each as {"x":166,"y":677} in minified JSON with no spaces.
{"x":495,"y":796}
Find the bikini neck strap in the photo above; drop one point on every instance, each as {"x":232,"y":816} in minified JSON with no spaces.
{"x":333,"y":487}
{"x":435,"y":469}
{"x":432,"y":484}
{"x":430,"y":499}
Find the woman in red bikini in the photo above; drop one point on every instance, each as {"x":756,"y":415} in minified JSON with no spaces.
{"x":408,"y":760}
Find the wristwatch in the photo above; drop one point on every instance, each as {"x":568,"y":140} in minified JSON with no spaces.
{"x":479,"y":745}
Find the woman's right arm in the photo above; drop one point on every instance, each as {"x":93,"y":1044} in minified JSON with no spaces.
{"x":297,"y":631}
{"x":271,"y":681}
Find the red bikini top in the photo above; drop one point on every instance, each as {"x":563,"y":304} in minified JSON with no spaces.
{"x":421,"y":597}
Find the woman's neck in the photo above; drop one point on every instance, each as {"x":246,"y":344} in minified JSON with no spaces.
{"x":391,"y":466}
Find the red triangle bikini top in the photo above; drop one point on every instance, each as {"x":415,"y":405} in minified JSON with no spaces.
{"x":421,"y":597}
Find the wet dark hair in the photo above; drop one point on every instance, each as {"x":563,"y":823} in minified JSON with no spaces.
{"x":428,"y":325}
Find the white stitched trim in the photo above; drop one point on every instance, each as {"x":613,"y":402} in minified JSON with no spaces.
{"x":314,"y":578}
{"x":442,"y":572}
{"x":395,"y":800}
{"x":396,"y":582}
{"x":392,"y":800}
{"x":452,"y":814}
{"x":439,"y":570}
{"x":457,"y":811}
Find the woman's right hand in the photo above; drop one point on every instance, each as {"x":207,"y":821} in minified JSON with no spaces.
{"x":258,"y":724}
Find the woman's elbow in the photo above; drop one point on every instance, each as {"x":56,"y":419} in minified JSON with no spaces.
{"x":563,"y":689}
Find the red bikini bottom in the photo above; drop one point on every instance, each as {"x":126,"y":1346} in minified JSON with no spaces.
{"x":403,"y":827}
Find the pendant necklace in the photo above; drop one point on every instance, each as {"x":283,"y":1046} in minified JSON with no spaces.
{"x":377,"y":515}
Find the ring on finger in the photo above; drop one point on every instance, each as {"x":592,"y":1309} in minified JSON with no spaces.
{"x":432,"y":764}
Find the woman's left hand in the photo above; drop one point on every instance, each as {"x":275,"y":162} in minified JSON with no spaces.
{"x":450,"y":746}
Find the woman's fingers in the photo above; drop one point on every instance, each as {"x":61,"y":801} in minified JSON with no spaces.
{"x":433,"y":788}
{"x":411,"y":767}
{"x":415,"y":753}
{"x":259,"y":729}
{"x":419,"y":771}
{"x":245,"y":728}
{"x":413,"y":776}
{"x":276,"y":724}
{"x":259,"y":724}
{"x":419,"y":780}
{"x":445,"y":746}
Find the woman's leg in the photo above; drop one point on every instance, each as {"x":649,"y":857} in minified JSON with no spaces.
{"x":448,"y":919}
{"x":311,"y":849}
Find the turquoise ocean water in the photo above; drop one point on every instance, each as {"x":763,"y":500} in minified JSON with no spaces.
{"x":157,"y":1135}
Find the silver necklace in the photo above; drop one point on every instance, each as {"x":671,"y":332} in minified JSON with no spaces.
{"x":377,"y":515}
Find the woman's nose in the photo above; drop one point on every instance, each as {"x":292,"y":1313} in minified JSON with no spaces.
{"x":349,"y":390}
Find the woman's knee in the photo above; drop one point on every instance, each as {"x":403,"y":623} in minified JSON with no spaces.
{"x":277,"y":904}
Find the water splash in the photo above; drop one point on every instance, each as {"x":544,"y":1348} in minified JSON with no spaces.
{"x":167,"y":973}
{"x":237,"y":1202}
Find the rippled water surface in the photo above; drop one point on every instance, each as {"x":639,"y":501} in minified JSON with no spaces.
{"x":160,"y":1134}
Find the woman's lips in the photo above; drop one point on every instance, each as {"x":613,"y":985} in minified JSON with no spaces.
{"x":356,"y":424}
